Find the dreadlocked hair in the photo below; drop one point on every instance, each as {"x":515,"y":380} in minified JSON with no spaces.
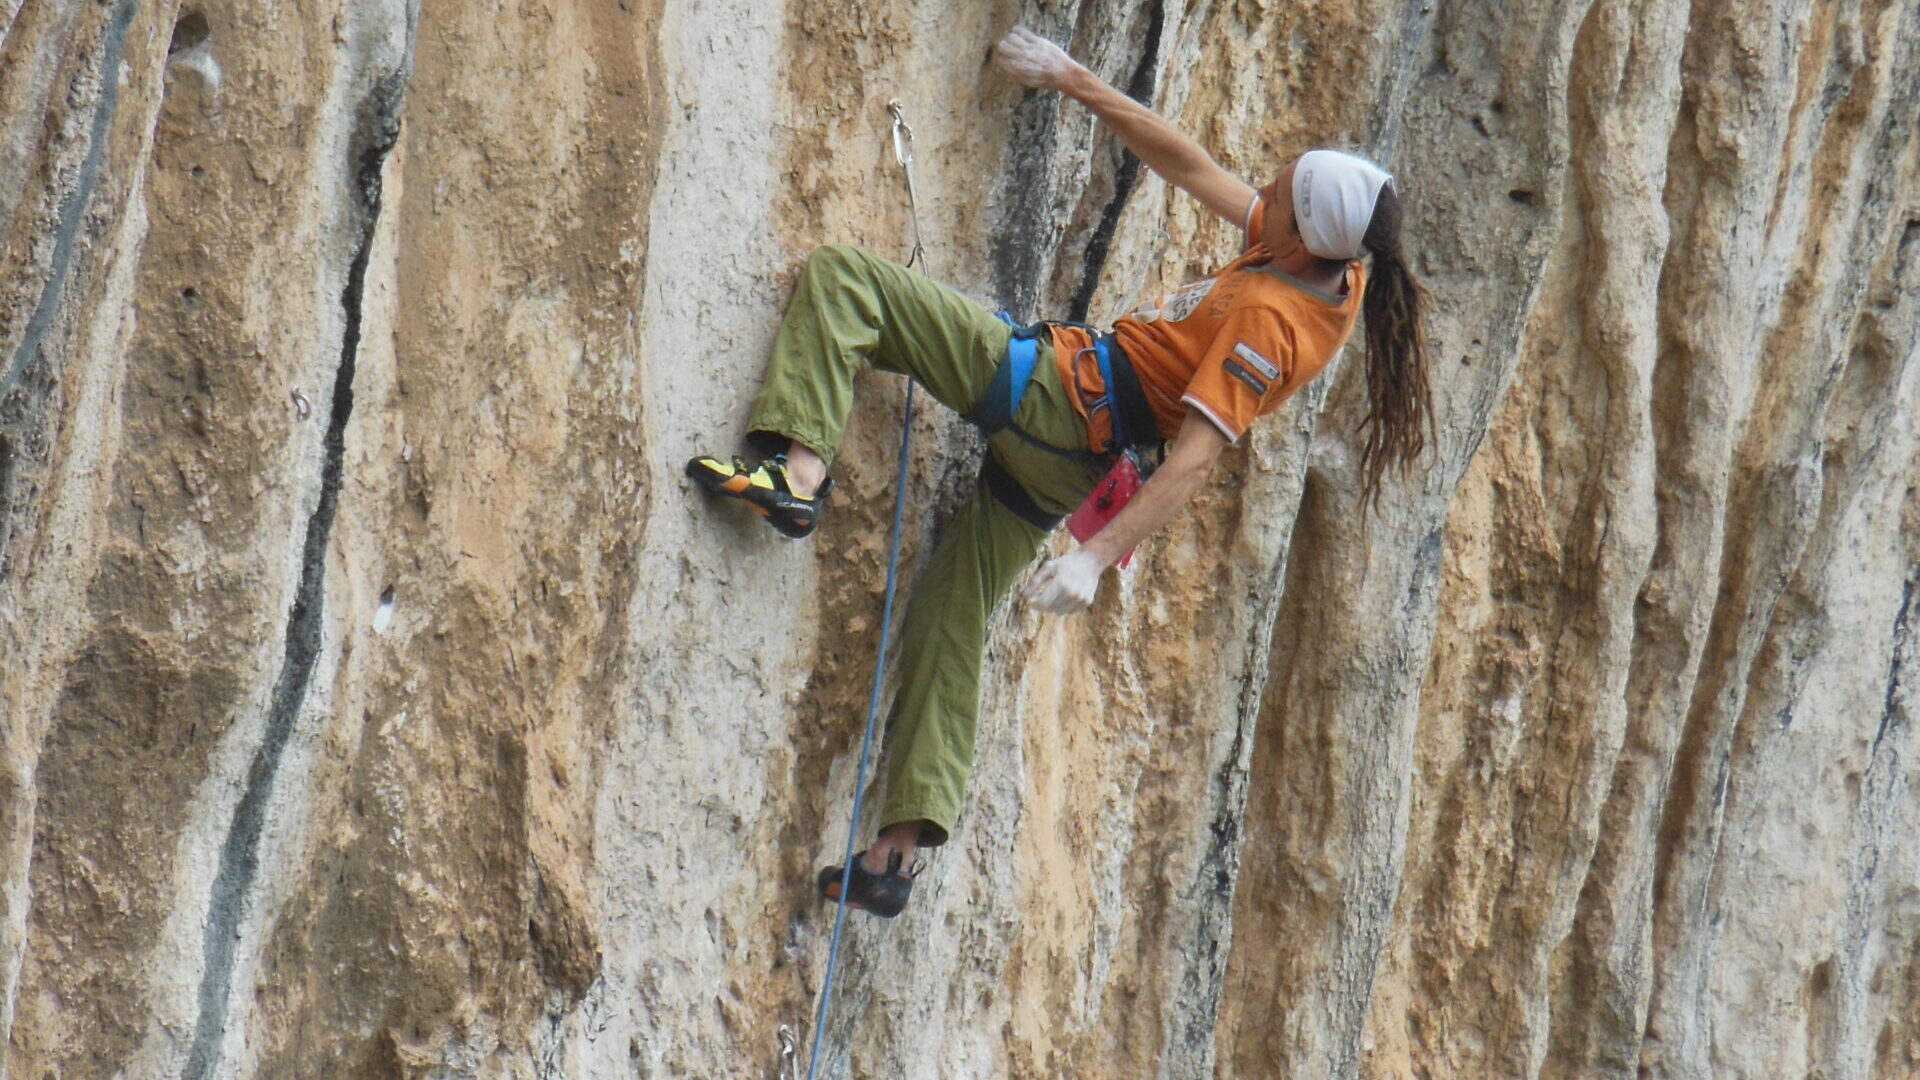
{"x":1399,"y":424}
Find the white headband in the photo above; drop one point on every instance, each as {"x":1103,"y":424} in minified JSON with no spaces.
{"x":1333,"y":197}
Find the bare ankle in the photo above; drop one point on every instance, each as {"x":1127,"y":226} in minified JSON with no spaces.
{"x":902,"y":839}
{"x":805,"y":470}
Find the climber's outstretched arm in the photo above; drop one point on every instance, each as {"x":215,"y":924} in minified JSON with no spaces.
{"x":1067,"y":584}
{"x":1035,"y":62}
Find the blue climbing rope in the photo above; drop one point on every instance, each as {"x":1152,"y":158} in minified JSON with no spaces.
{"x":866,"y":738}
{"x":902,"y":149}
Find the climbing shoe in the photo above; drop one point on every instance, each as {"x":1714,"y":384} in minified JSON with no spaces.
{"x":884,"y":895}
{"x":763,"y":487}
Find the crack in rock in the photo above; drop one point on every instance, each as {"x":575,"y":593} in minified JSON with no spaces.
{"x":75,"y":207}
{"x":373,"y":139}
{"x":1140,"y":87}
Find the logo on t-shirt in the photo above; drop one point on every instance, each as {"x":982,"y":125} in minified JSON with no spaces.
{"x":1260,"y":363}
{"x":1234,"y":368}
{"x":1176,"y":307}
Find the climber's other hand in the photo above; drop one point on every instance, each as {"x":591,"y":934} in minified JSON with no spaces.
{"x":1033,"y":61}
{"x":1066,"y":585}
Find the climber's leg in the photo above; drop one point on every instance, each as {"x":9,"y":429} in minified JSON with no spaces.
{"x":942,"y":646}
{"x":850,"y":308}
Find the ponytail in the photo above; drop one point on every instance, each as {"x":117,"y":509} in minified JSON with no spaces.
{"x":1399,"y":424}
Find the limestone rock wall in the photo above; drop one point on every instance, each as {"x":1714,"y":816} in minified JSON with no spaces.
{"x":378,"y":702}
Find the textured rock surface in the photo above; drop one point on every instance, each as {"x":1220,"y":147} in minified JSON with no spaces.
{"x":377,"y":703}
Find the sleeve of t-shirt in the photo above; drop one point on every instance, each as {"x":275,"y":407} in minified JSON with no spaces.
{"x":1256,"y":215}
{"x":1246,"y":369}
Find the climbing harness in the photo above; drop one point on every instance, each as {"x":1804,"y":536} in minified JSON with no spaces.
{"x":994,"y":411}
{"x":1121,"y":396}
{"x":1125,"y":459}
{"x":903,"y":153}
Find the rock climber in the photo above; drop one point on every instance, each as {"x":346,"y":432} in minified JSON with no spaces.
{"x":1196,"y":366}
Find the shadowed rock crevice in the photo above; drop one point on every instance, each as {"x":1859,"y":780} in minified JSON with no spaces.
{"x":1902,"y":631}
{"x":189,"y":30}
{"x":6,"y":500}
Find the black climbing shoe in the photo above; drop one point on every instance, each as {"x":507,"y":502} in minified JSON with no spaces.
{"x":763,"y":487}
{"x":884,"y":895}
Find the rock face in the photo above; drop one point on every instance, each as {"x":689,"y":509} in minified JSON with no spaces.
{"x":378,"y":702}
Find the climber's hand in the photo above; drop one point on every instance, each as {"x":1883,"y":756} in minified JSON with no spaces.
{"x":1033,"y":61}
{"x":1065,"y":586}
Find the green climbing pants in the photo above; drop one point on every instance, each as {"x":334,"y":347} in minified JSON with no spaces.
{"x":851,"y":308}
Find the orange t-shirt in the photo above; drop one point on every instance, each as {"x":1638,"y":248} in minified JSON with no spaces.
{"x":1234,"y":346}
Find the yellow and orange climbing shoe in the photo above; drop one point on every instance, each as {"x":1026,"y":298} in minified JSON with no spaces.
{"x":763,"y":487}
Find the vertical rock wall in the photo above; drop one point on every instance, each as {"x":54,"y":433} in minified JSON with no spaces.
{"x":377,"y":702}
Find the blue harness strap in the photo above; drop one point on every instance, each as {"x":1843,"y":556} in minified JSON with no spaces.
{"x":1104,"y":356}
{"x":995,"y":409}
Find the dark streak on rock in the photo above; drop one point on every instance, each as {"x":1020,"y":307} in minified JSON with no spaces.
{"x":1140,"y":87}
{"x":6,"y":499}
{"x":1902,"y":634}
{"x":1023,"y":236}
{"x":71,"y":212}
{"x":1903,"y":250}
{"x":373,"y":139}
